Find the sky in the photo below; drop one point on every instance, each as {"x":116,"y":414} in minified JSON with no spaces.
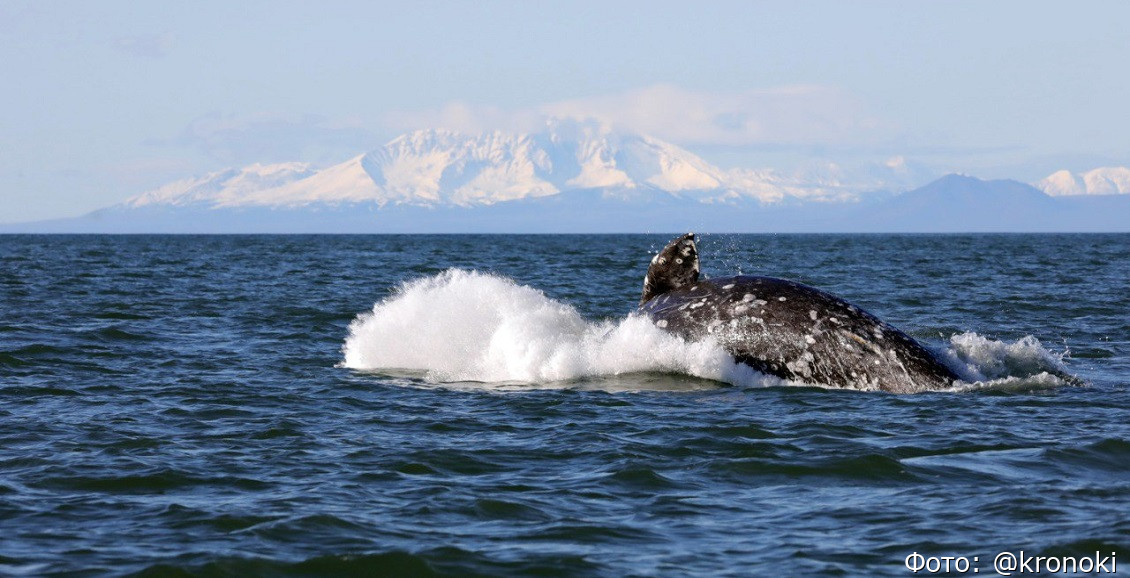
{"x":104,"y":100}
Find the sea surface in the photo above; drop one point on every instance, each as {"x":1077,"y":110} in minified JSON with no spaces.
{"x":486,"y":406}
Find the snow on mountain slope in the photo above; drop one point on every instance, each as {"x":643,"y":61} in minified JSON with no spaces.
{"x":1100,"y":181}
{"x":445,"y":168}
{"x":345,"y":182}
{"x":224,"y":187}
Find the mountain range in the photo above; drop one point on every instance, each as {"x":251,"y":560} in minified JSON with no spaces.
{"x":584,"y":177}
{"x":434,"y":168}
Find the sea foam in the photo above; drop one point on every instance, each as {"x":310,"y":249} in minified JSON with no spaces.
{"x":467,"y":326}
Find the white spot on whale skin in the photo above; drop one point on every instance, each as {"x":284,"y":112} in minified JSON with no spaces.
{"x":800,"y":367}
{"x":782,"y":299}
{"x":730,"y":286}
{"x":812,"y":314}
{"x":809,"y":339}
{"x":661,"y":323}
{"x":747,"y":297}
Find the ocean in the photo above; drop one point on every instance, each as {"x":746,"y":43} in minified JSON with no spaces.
{"x":485,"y":405}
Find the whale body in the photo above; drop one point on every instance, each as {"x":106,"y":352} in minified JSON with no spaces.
{"x":786,"y":329}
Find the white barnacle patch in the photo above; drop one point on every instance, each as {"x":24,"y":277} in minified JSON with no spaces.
{"x":782,"y":299}
{"x":728,"y":287}
{"x":809,"y":339}
{"x":759,"y":302}
{"x":747,"y":297}
{"x":739,"y":309}
{"x":663,"y":260}
{"x":812,"y":314}
{"x":661,"y":323}
{"x":684,"y":306}
{"x":678,"y":260}
{"x":800,"y":367}
{"x":834,"y":320}
{"x":698,"y":304}
{"x":713,"y":325}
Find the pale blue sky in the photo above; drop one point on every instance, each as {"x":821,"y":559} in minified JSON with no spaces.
{"x":103,"y":100}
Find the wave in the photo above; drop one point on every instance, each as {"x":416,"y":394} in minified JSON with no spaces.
{"x":472,"y":328}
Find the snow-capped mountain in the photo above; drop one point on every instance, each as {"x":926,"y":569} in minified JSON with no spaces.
{"x":332,"y":201}
{"x":1101,"y":181}
{"x":434,"y":168}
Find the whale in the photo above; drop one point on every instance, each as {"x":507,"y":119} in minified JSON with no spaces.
{"x":786,"y":329}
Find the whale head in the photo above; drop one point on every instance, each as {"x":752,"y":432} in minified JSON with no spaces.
{"x":673,"y":267}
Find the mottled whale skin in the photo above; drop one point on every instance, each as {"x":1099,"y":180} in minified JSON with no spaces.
{"x":786,"y":329}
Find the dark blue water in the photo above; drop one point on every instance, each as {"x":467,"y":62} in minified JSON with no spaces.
{"x":182,"y":406}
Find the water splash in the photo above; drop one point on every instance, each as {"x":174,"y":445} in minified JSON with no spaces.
{"x":465,"y":326}
{"x":462,"y":326}
{"x":1024,"y":364}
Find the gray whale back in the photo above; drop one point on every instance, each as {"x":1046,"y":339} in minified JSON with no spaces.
{"x":797,"y":332}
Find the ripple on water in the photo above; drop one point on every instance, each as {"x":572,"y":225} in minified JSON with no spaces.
{"x":157,"y":480}
{"x":178,"y":410}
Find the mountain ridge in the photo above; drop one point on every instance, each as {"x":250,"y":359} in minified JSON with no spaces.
{"x":951,"y":204}
{"x":436,"y":167}
{"x":1100,"y":181}
{"x":584,"y":177}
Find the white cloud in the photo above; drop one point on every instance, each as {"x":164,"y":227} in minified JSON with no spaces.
{"x":785,"y":115}
{"x":146,"y":45}
{"x":273,"y":137}
{"x":467,"y":118}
